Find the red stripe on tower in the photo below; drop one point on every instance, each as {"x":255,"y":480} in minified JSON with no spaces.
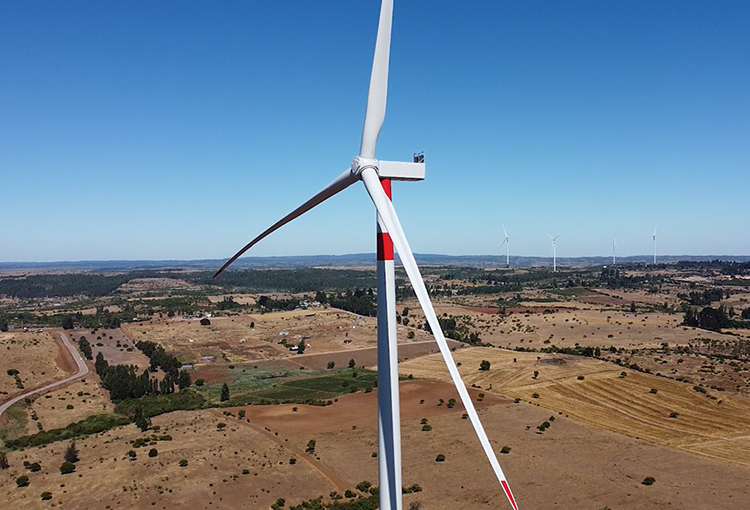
{"x":507,"y":493}
{"x":385,"y":244}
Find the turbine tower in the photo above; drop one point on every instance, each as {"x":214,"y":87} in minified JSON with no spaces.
{"x":376,"y":176}
{"x":614,"y":248}
{"x":554,"y":251}
{"x":506,"y":242}
{"x":653,"y":237}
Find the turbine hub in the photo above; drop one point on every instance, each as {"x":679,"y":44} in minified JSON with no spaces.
{"x":360,"y":163}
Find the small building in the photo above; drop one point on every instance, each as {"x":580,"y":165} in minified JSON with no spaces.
{"x":283,"y":333}
{"x":208,"y":358}
{"x":186,"y":367}
{"x":242,"y":340}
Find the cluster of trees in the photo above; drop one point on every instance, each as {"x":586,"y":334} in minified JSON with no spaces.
{"x":360,"y":301}
{"x":713,"y":319}
{"x":85,"y":348}
{"x":704,"y":298}
{"x":271,"y":304}
{"x":123,"y":382}
{"x":159,"y":358}
{"x":454,"y":330}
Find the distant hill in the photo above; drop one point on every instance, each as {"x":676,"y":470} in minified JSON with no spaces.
{"x":350,"y":261}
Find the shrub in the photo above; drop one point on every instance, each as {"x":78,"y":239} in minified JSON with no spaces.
{"x":484,"y":365}
{"x":351,"y":363}
{"x":153,"y":452}
{"x":426,"y":427}
{"x":649,"y":480}
{"x":440,"y":458}
{"x":34,"y":467}
{"x":505,"y":450}
{"x":183,"y":463}
{"x":581,"y":378}
{"x":241,"y":413}
{"x":245,"y":471}
{"x":22,"y":481}
{"x":350,"y":494}
{"x":410,"y":335}
{"x":464,"y":416}
{"x":673,"y":414}
{"x":67,"y":468}
{"x":535,"y":395}
{"x":654,"y":391}
{"x":4,"y":464}
{"x":200,"y":382}
{"x":132,"y":454}
{"x":292,"y":461}
{"x":331,"y":365}
{"x":363,"y":486}
{"x":310,"y":447}
{"x":46,"y":496}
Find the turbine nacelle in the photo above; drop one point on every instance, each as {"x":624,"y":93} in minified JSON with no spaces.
{"x":395,"y":170}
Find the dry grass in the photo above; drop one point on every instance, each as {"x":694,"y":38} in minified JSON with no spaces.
{"x":604,"y":399}
{"x":51,"y":409}
{"x":34,"y":355}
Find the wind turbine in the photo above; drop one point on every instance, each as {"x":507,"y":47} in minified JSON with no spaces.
{"x":506,"y":242}
{"x":614,"y":248}
{"x":653,"y":237}
{"x":376,"y":177}
{"x":554,"y":251}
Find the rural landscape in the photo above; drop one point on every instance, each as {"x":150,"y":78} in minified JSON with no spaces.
{"x":620,"y":387}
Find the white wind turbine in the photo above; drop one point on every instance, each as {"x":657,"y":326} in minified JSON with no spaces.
{"x":506,"y":242}
{"x":653,"y":237}
{"x":614,"y":248}
{"x":554,"y":251}
{"x":376,"y":176}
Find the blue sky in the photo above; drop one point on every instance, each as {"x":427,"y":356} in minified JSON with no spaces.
{"x":180,"y":130}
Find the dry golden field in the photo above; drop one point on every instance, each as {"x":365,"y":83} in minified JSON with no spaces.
{"x":34,"y":355}
{"x":595,"y":393}
{"x":325,"y":330}
{"x":52,"y":411}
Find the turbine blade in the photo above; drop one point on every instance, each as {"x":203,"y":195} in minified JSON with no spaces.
{"x":342,"y":182}
{"x":505,"y":232}
{"x":390,"y":220}
{"x":503,"y":243}
{"x":375,"y":113}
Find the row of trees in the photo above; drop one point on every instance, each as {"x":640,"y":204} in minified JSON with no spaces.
{"x":159,"y":358}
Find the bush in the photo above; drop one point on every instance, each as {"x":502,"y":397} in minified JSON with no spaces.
{"x":22,"y":481}
{"x":183,"y":463}
{"x":484,"y":365}
{"x":331,"y":365}
{"x":67,"y":468}
{"x":654,"y":391}
{"x":71,"y":453}
{"x":505,"y":450}
{"x":153,"y":452}
{"x":440,"y":458}
{"x":46,"y":496}
{"x":34,"y":467}
{"x":350,"y":494}
{"x":673,"y":414}
{"x":292,"y":461}
{"x":363,"y":486}
{"x":581,"y":378}
{"x":649,"y":480}
{"x":241,"y":413}
{"x":535,"y":395}
{"x":200,"y":382}
{"x":426,"y":427}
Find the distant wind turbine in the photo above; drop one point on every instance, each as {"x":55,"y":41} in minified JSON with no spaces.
{"x":554,"y":251}
{"x":506,"y":242}
{"x":654,"y":239}
{"x":614,"y":248}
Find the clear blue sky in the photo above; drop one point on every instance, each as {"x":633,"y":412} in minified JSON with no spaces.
{"x":179,"y":130}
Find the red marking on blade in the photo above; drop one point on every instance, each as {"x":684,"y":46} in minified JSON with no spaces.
{"x":387,"y":187}
{"x":507,"y":493}
{"x":385,"y":246}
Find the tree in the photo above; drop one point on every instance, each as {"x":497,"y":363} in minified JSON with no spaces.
{"x":224,"y":392}
{"x":85,"y":347}
{"x":183,"y":380}
{"x":67,"y":468}
{"x":4,"y":464}
{"x":22,"y":481}
{"x":71,"y":453}
{"x":484,"y":365}
{"x":46,"y":496}
{"x":301,"y":347}
{"x":351,"y":363}
{"x":67,"y":322}
{"x":331,"y":365}
{"x":100,"y":365}
{"x":205,"y":322}
{"x":153,"y":452}
{"x":140,"y":419}
{"x":310,"y":447}
{"x":440,"y":458}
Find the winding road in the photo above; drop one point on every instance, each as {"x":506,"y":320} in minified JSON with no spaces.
{"x":83,"y":369}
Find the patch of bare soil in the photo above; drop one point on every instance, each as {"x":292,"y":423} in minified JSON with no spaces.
{"x":115,"y":346}
{"x":63,"y":406}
